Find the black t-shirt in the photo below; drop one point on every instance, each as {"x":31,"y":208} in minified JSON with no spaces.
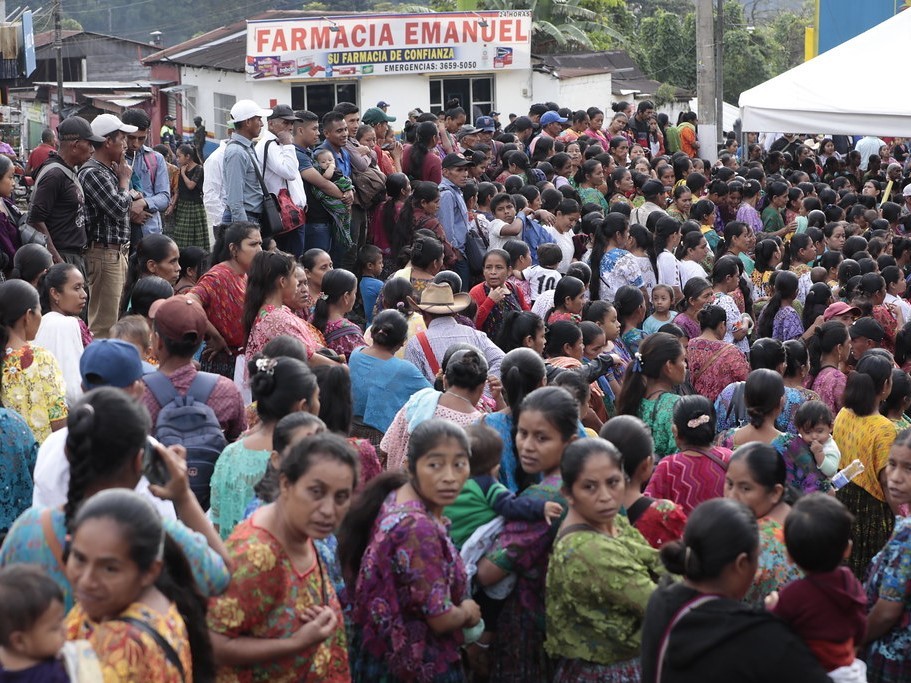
{"x":59,"y":203}
{"x":184,"y":193}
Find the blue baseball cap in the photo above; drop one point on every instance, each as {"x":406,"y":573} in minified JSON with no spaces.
{"x":486,"y":123}
{"x":549,"y":117}
{"x":110,"y":363}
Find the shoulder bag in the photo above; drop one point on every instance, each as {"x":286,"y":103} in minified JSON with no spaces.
{"x":292,"y":215}
{"x":270,"y":222}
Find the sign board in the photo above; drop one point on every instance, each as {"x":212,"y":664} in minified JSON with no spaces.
{"x":388,"y":44}
{"x":28,"y":43}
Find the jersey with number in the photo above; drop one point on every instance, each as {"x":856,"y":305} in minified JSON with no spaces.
{"x":541,"y":280}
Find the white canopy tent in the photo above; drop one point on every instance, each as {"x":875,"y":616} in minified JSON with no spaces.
{"x":849,"y":90}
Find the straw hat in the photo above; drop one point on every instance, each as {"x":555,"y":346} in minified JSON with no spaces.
{"x":438,"y":298}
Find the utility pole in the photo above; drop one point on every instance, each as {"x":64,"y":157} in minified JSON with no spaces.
{"x":706,"y":80}
{"x":719,"y":68}
{"x":58,"y":48}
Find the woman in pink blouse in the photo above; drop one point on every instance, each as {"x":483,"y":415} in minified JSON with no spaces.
{"x":271,"y":290}
{"x":829,"y":347}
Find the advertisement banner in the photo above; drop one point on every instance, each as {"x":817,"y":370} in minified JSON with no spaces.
{"x":388,"y":44}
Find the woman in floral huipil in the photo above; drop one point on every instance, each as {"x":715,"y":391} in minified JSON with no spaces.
{"x":280,"y":619}
{"x":409,"y":602}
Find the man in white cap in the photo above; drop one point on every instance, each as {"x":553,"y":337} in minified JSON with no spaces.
{"x":105,"y":180}
{"x":240,"y":175}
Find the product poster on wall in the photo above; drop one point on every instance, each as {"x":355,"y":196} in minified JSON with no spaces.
{"x":384,"y":44}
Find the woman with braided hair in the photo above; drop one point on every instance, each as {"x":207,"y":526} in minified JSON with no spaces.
{"x":648,"y":389}
{"x":105,"y":444}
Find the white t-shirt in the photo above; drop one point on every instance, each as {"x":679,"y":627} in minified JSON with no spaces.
{"x":541,"y":280}
{"x":689,"y":270}
{"x":668,"y":269}
{"x":565,"y":241}
{"x":496,"y":239}
{"x":52,"y":478}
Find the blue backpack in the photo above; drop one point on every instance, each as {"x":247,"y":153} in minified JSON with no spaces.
{"x":188,"y":421}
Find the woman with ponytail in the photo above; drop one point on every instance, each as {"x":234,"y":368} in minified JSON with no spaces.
{"x":30,"y":263}
{"x":829,"y":348}
{"x":106,"y":437}
{"x":381,"y":383}
{"x":32,"y":383}
{"x":767,"y":257}
{"x":155,"y":255}
{"x":280,"y":386}
{"x":717,"y":558}
{"x":712,"y":362}
{"x":763,"y":396}
{"x":151,"y":592}
{"x":547,"y":422}
{"x":397,"y":559}
{"x":801,"y":252}
{"x":272,"y":288}
{"x":612,"y":265}
{"x":221,"y":291}
{"x":336,"y":301}
{"x":62,"y":332}
{"x":726,"y":281}
{"x":779,"y":320}
{"x":862,"y":433}
{"x":419,"y":159}
{"x":280,"y":618}
{"x":464,"y":370}
{"x":648,"y":389}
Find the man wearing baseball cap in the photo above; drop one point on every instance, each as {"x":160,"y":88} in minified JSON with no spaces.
{"x":105,"y":181}
{"x":551,"y":127}
{"x":866,"y":334}
{"x":168,"y":134}
{"x":179,"y":327}
{"x":453,"y":213}
{"x":57,"y":208}
{"x":240,"y":168}
{"x":104,"y":363}
{"x":384,"y":105}
{"x":380,"y":120}
{"x":276,"y":153}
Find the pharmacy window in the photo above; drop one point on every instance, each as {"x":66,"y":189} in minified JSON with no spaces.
{"x":475,"y":94}
{"x":321,"y":98}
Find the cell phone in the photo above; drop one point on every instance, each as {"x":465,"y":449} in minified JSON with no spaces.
{"x":387,"y":147}
{"x":153,"y":466}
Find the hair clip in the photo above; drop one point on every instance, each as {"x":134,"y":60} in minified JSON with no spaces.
{"x":637,"y":363}
{"x":323,"y":296}
{"x":697,"y":421}
{"x":266,"y":365}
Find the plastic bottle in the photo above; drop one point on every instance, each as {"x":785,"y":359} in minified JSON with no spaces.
{"x":841,"y":478}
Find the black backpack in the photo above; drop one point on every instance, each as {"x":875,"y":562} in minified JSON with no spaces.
{"x":188,"y":421}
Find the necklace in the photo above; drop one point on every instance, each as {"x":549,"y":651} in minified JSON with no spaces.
{"x":473,"y":408}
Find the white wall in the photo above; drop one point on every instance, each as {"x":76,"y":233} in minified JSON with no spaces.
{"x":514,"y":91}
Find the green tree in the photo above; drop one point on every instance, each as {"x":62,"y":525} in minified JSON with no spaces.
{"x":561,"y":25}
{"x":666,"y":49}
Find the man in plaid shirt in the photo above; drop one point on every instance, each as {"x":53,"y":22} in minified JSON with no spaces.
{"x":105,"y":180}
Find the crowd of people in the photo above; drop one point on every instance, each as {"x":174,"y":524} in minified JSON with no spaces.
{"x":558,"y":401}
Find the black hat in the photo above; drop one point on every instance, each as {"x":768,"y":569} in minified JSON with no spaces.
{"x":77,"y":128}
{"x":868,"y":328}
{"x":283,"y":111}
{"x":455,"y":161}
{"x":169,"y":118}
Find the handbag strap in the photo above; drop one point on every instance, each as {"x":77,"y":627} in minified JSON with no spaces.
{"x":714,"y":357}
{"x":665,"y":639}
{"x":266,"y":160}
{"x":169,"y":652}
{"x":637,"y":509}
{"x":259,"y":175}
{"x":428,"y":353}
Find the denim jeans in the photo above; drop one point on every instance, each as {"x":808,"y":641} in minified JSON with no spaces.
{"x":292,"y":242}
{"x":318,"y":236}
{"x":461,"y":267}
